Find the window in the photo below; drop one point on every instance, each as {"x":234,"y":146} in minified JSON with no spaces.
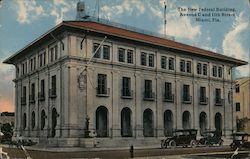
{"x":121,"y":55}
{"x":102,"y":84}
{"x":23,"y":98}
{"x":218,"y":96}
{"x":237,"y":88}
{"x":52,"y":92}
{"x":56,"y":52}
{"x":32,"y":95}
{"x":199,"y":68}
{"x":203,"y":94}
{"x":31,"y":64}
{"x":163,"y":62}
{"x":143,"y":59}
{"x":41,"y":94}
{"x":51,"y":54}
{"x":126,"y":84}
{"x":33,"y":120}
{"x":151,"y":60}
{"x":186,"y":93}
{"x":214,"y":71}
{"x":148,"y":89}
{"x":171,"y":63}
{"x":182,"y":66}
{"x":106,"y":52}
{"x":220,"y":72}
{"x":98,"y":53}
{"x":130,"y":56}
{"x":189,"y":67}
{"x":44,"y":58}
{"x":24,"y":68}
{"x":237,"y":107}
{"x":204,"y":69}
{"x":168,"y":91}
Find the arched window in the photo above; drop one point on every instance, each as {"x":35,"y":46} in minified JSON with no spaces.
{"x":186,"y":121}
{"x":102,"y":121}
{"x":126,"y":127}
{"x":218,"y":122}
{"x":203,"y":122}
{"x":168,"y":123}
{"x":43,"y":117}
{"x":148,"y":123}
{"x":33,"y":120}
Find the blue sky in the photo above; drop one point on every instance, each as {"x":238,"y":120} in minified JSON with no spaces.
{"x":21,"y":21}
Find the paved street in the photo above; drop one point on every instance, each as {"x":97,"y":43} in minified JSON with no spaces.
{"x":115,"y":154}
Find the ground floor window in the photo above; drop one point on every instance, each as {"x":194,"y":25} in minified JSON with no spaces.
{"x":102,"y":122}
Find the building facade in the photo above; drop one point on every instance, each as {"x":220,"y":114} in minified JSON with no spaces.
{"x":122,"y":85}
{"x":242,"y":103}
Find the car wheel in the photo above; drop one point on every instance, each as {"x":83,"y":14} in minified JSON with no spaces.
{"x":172,"y":144}
{"x":163,"y":144}
{"x":220,"y":143}
{"x":193,"y":143}
{"x":206,"y":143}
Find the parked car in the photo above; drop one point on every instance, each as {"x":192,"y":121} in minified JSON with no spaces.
{"x":185,"y":137}
{"x":240,"y":140}
{"x":210,"y":138}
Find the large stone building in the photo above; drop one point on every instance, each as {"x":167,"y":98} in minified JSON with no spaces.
{"x":137,"y":88}
{"x":242,"y":103}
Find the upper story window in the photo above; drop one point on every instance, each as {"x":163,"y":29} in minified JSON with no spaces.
{"x":126,"y":87}
{"x":168,"y":96}
{"x":102,"y":84}
{"x":24,"y":68}
{"x":106,"y":52}
{"x":148,"y":90}
{"x":102,"y":52}
{"x":186,"y":93}
{"x":204,"y":69}
{"x":41,"y":94}
{"x":237,"y":107}
{"x":163,"y":62}
{"x":237,"y":88}
{"x":217,"y":71}
{"x":218,"y":100}
{"x":151,"y":60}
{"x":23,"y":98}
{"x":171,"y":63}
{"x":143,"y":59}
{"x":199,"y":68}
{"x":53,"y":51}
{"x":203,"y":98}
{"x":214,"y":71}
{"x":42,"y":58}
{"x":121,"y":55}
{"x":189,"y":67}
{"x":130,"y":56}
{"x":52,"y":91}
{"x":182,"y":66}
{"x":220,"y":72}
{"x":32,"y":93}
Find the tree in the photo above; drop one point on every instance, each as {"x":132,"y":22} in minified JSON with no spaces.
{"x":241,"y":124}
{"x":7,"y":130}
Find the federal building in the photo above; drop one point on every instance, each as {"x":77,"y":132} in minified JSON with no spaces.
{"x":118,"y":84}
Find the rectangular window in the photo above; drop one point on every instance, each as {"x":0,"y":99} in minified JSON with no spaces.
{"x":42,"y":87}
{"x":126,"y":84}
{"x":151,"y":60}
{"x":31,"y":64}
{"x":143,"y":59}
{"x":171,"y":63}
{"x":102,"y":84}
{"x":237,"y":107}
{"x":214,"y":71}
{"x":189,"y":67}
{"x":44,"y":58}
{"x":199,"y":68}
{"x":51,"y":54}
{"x":202,"y":94}
{"x":106,"y":52}
{"x":40,"y":60}
{"x":23,"y":98}
{"x":219,"y":72}
{"x":53,"y":85}
{"x":56,"y":52}
{"x":130,"y":56}
{"x":34,"y":61}
{"x":121,"y":55}
{"x":148,"y":89}
{"x":98,"y":53}
{"x":237,"y":88}
{"x":204,"y":69}
{"x":168,"y":91}
{"x":32,"y":93}
{"x":186,"y":93}
{"x":218,"y":96}
{"x":24,"y":92}
{"x":182,"y":66}
{"x":163,"y":62}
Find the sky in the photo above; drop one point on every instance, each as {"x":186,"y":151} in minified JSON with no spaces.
{"x":22,"y":21}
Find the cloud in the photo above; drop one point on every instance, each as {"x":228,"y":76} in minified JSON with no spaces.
{"x":126,"y":7}
{"x":28,"y":10}
{"x":233,"y":44}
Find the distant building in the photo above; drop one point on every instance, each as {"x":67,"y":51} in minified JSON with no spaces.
{"x":242,"y":102}
{"x":133,"y":86}
{"x":7,"y":117}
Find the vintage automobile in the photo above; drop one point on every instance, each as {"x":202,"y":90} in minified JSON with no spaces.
{"x":210,"y":138}
{"x":240,"y":140}
{"x":183,"y":138}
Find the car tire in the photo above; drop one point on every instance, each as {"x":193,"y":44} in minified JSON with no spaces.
{"x":193,"y":143}
{"x":172,"y":144}
{"x":163,"y":145}
{"x":206,"y":143}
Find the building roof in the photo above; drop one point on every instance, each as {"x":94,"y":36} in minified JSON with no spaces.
{"x":109,"y":30}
